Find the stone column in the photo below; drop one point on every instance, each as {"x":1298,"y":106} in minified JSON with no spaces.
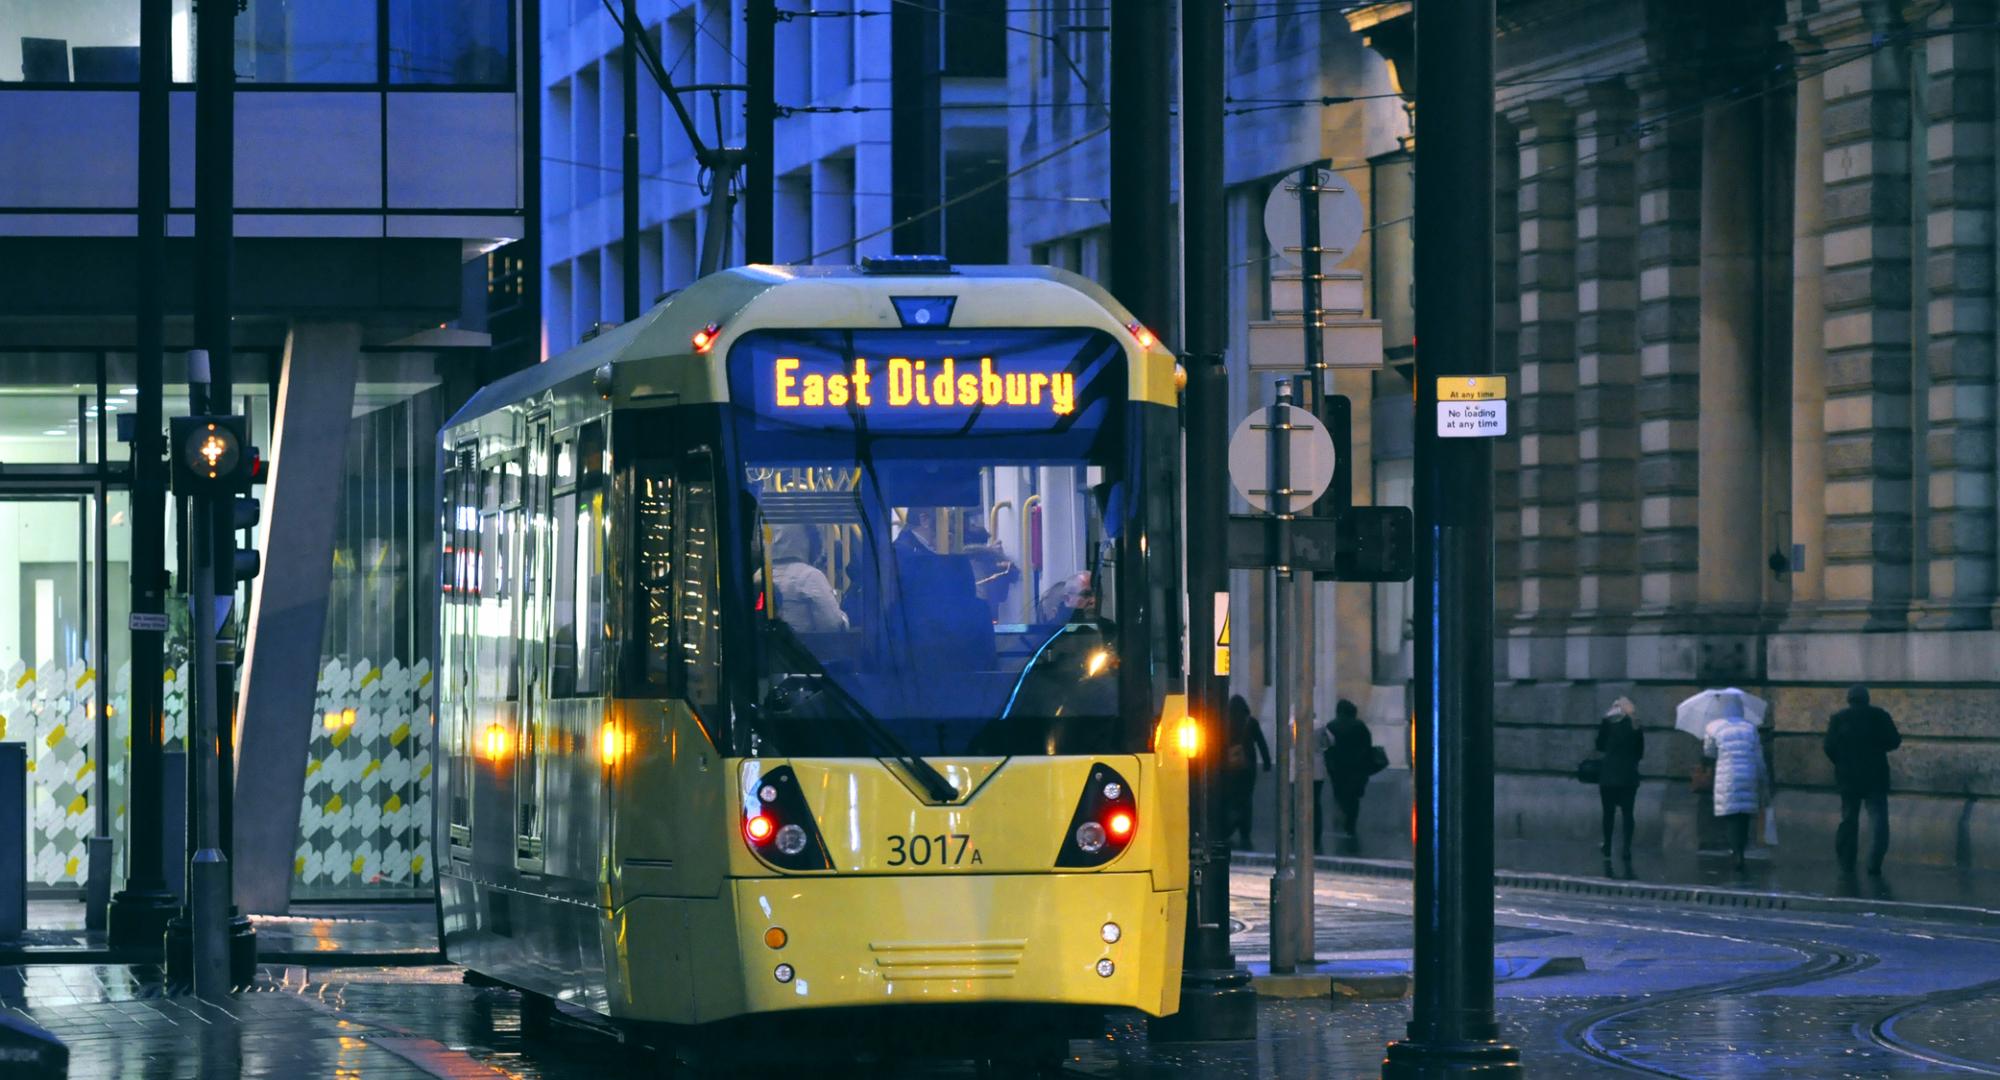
{"x":281,"y":657}
{"x":1866,"y":127}
{"x":1607,"y":371}
{"x":1960,"y":345}
{"x":1506,"y":361}
{"x":1544,"y":411}
{"x":1808,"y":349}
{"x":1669,"y":350}
{"x":1730,"y":513}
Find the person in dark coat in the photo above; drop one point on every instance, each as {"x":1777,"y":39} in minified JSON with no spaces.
{"x":1349,"y":759}
{"x":1858,"y":741}
{"x":1622,"y":745}
{"x":1247,"y":752}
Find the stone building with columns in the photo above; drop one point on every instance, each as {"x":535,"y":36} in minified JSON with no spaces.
{"x":1746,"y":299}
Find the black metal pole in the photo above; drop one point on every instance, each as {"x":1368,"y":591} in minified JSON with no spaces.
{"x":1452,"y":1030}
{"x":139,"y":913}
{"x":1142,"y":255}
{"x":916,"y":167}
{"x":760,"y":22}
{"x":1217,"y":1000}
{"x":530,"y":97}
{"x":630,"y":266}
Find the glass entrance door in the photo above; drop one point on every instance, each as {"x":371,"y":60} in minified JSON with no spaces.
{"x":59,"y":588}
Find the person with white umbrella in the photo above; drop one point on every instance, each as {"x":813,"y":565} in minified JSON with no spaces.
{"x":1732,"y":742}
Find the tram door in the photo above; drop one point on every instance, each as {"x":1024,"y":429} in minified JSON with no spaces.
{"x":533,"y":635}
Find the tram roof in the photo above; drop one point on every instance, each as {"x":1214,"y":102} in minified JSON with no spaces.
{"x":832,"y":296}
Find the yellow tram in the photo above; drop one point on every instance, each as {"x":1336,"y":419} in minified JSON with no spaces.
{"x":809,"y":658}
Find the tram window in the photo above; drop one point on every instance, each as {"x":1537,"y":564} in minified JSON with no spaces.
{"x":589,"y":587}
{"x":653,"y":548}
{"x":590,"y":452}
{"x":696,"y":593}
{"x":562,"y":602}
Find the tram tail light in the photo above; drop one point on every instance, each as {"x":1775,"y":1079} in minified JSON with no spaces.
{"x":1107,"y":816}
{"x":704,"y":338}
{"x":777,"y":823}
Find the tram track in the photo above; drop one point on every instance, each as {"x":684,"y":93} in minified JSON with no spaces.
{"x":1882,"y":1030}
{"x":1819,"y":962}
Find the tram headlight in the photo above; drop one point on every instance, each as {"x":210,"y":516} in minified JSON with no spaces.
{"x":1105,"y":967}
{"x":1090,"y":837}
{"x":791,"y":839}
{"x":778,"y":822}
{"x":782,"y":973}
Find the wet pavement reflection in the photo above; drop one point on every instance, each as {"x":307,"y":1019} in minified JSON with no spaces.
{"x":1670,"y":990}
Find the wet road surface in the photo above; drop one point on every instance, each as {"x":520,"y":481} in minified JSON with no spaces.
{"x":1663,"y":990}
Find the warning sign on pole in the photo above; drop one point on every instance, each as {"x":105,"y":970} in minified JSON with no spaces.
{"x":1222,"y":633}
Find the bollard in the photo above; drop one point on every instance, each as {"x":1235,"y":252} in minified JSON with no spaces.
{"x":13,"y":840}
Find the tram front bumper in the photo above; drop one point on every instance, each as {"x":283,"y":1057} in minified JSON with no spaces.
{"x":880,"y":940}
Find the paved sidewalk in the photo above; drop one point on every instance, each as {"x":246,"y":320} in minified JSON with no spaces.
{"x":1784,"y":869}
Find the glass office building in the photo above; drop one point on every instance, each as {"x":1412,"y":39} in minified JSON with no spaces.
{"x":377,"y":166}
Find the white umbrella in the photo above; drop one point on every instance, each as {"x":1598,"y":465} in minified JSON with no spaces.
{"x":1696,"y":713}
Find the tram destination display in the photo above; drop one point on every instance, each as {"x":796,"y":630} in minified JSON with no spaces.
{"x":925,"y":381}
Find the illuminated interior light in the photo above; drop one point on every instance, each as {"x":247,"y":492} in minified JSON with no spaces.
{"x":759,"y":828}
{"x":1096,"y":664}
{"x":775,"y":937}
{"x":704,"y":338}
{"x":1121,"y":825}
{"x":1187,"y":735}
{"x":1142,"y":335}
{"x":494,"y":742}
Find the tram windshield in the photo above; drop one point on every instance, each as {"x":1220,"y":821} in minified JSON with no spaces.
{"x":932,"y":559}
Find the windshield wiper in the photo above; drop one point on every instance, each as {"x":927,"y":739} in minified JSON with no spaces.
{"x":935,"y":784}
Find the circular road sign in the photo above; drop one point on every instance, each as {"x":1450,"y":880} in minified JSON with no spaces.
{"x":1341,"y":218}
{"x":1311,"y":452}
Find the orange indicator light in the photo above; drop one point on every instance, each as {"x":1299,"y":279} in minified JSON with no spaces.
{"x":495,"y":742}
{"x":775,"y":937}
{"x":1187,"y":735}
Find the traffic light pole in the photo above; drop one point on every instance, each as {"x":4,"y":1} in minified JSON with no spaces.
{"x":139,"y":913}
{"x":208,"y":870}
{"x":1217,"y":1000}
{"x":1452,"y":1030}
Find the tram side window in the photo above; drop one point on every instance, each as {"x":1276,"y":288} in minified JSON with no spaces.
{"x":499,"y":523}
{"x":698,"y":591}
{"x":589,"y":561}
{"x":562,"y":604}
{"x":653,"y":532}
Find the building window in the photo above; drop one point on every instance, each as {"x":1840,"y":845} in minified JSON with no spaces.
{"x":452,"y":42}
{"x":975,"y":41}
{"x":80,"y":41}
{"x":305,"y":41}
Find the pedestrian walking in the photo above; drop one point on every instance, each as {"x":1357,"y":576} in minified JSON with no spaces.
{"x":1733,"y":744}
{"x":1858,"y":741}
{"x":1620,"y":745}
{"x":1248,"y":753}
{"x":1350,"y":759}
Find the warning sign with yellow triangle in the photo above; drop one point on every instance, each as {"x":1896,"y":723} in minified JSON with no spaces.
{"x":1222,"y":633}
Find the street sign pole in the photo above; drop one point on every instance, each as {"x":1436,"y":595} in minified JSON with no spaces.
{"x":1286,"y":900}
{"x":1452,"y":1030}
{"x":1311,"y":390}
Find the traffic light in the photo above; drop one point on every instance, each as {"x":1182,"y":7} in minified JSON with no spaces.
{"x":245,"y":512}
{"x":211,"y":455}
